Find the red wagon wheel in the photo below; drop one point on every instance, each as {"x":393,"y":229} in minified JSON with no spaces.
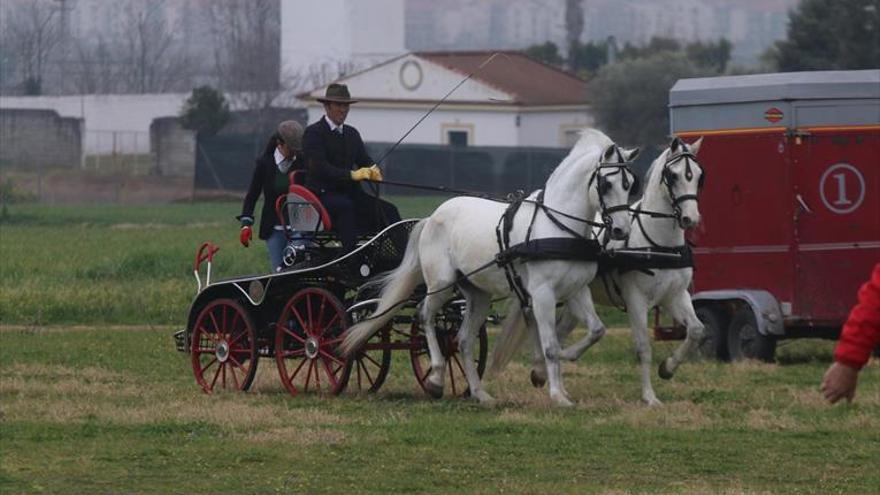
{"x":446,"y":324}
{"x":306,"y":341}
{"x":368,"y":369}
{"x":223,"y":348}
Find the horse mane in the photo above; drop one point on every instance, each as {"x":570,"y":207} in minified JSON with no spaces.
{"x":591,"y":140}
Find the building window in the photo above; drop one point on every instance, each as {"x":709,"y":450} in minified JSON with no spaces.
{"x":457,"y":138}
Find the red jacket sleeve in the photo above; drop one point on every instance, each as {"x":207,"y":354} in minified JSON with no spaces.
{"x":861,"y":333}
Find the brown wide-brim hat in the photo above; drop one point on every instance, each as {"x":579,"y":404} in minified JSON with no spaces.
{"x":337,"y":93}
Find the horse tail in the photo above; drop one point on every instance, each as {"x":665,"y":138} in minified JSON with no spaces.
{"x":510,"y":340}
{"x":397,"y":286}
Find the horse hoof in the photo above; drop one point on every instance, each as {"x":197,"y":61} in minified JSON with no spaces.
{"x":562,"y":401}
{"x":538,"y":381}
{"x":664,"y":372}
{"x":433,"y":390}
{"x":485,"y":399}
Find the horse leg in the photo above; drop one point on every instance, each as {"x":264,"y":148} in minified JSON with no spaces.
{"x":429,"y":307}
{"x":476,"y":311}
{"x":638,"y":322}
{"x":569,"y":316}
{"x":682,"y":309}
{"x":581,"y":307}
{"x":544,"y":313}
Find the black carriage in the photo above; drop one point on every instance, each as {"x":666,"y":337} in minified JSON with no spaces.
{"x":298,"y":315}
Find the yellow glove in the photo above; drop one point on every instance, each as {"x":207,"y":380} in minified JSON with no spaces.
{"x":375,"y":173}
{"x":361,"y":174}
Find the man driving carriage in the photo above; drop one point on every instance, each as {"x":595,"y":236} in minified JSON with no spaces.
{"x":337,"y":162}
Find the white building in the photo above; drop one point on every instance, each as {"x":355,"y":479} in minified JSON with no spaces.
{"x":512,"y":100}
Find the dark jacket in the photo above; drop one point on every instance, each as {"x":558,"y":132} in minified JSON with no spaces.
{"x":264,"y":181}
{"x":332,"y":157}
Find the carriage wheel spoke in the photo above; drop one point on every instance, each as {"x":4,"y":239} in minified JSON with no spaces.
{"x":234,"y":377}
{"x":329,"y":323}
{"x":309,"y":314}
{"x":327,"y":355}
{"x":321,"y":314}
{"x":330,"y":375}
{"x":210,"y":363}
{"x":297,"y":370}
{"x":293,"y":353}
{"x":300,"y":320}
{"x":370,"y":359}
{"x":214,"y":319}
{"x":292,"y":334}
{"x":366,"y":372}
{"x":216,"y":375}
{"x":452,"y":377}
{"x":309,"y":373}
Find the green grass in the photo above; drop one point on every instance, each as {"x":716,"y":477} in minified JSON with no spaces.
{"x":116,"y":410}
{"x":121,"y":264}
{"x":103,"y":409}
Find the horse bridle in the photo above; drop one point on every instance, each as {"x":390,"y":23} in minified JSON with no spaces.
{"x":602,"y":183}
{"x":668,"y":179}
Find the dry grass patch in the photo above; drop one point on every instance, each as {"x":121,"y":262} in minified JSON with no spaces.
{"x":677,"y":415}
{"x":294,"y":435}
{"x":764,"y":419}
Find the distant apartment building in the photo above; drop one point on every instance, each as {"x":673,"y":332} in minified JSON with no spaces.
{"x":751,"y":25}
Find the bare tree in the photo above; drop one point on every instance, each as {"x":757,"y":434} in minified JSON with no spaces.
{"x":156,"y":63}
{"x":30,"y":36}
{"x":247,"y":49}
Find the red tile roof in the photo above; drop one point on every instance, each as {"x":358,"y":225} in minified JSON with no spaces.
{"x":529,"y":81}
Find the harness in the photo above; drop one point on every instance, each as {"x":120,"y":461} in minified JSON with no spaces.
{"x":575,"y":248}
{"x":655,"y":256}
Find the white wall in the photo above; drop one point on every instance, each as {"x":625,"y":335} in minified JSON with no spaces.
{"x":118,"y":123}
{"x":548,"y":128}
{"x":490,"y":128}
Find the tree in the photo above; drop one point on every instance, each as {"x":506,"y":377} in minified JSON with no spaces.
{"x":574,"y":26}
{"x":587,"y":58}
{"x":547,"y":52}
{"x":831,"y":35}
{"x":713,"y":56}
{"x":630,"y":98}
{"x":29,"y":36}
{"x":205,"y":111}
{"x":154,"y":62}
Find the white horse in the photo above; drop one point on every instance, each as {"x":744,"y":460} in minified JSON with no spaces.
{"x":667,"y":208}
{"x":460,"y":238}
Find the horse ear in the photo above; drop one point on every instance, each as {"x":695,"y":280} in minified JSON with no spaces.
{"x":609,"y":153}
{"x":695,"y":147}
{"x":630,"y":155}
{"x":675,"y":144}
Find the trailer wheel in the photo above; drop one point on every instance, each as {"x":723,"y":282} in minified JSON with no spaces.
{"x":714,"y":345}
{"x":307,"y":337}
{"x":744,"y":341}
{"x":446,"y":324}
{"x":224,"y":349}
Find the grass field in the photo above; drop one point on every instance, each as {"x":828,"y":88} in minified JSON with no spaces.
{"x":94,"y":398}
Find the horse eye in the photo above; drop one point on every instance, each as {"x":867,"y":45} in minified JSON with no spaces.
{"x":670,"y":177}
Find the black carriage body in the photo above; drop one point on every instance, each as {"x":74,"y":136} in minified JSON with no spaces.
{"x":322,"y":266}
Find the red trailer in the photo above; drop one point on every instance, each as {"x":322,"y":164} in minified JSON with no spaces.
{"x":791,"y":205}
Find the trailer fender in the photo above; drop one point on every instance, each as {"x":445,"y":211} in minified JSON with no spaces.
{"x":767,"y":311}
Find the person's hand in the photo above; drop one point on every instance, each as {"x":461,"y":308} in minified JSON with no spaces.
{"x":840,"y":381}
{"x":245,"y":236}
{"x":362,"y":173}
{"x":375,"y":173}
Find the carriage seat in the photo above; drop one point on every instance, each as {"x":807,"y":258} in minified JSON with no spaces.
{"x":305,"y":212}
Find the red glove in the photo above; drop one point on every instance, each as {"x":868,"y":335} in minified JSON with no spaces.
{"x":245,"y":235}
